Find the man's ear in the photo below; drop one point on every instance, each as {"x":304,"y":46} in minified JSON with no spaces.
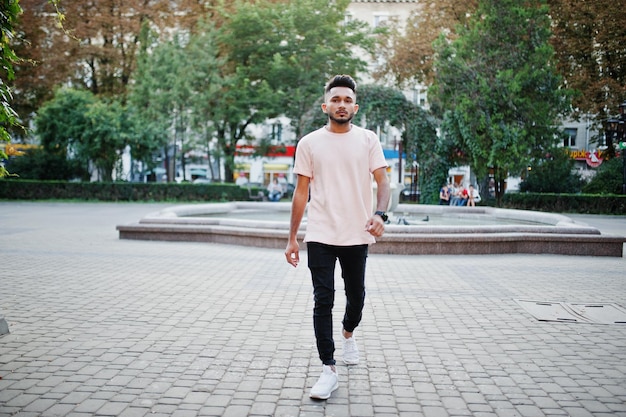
{"x":356,"y":108}
{"x":324,"y":107}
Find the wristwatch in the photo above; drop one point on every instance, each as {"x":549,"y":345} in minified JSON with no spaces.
{"x":382,"y":215}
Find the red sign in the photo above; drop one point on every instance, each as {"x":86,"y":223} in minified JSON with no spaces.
{"x":272,"y":150}
{"x":594,"y":159}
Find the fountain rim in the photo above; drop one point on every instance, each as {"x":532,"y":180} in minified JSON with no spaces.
{"x":553,"y":233}
{"x":538,"y":222}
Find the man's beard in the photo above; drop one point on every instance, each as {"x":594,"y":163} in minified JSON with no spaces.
{"x":342,"y":121}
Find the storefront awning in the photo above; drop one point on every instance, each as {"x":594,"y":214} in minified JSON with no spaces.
{"x":276,"y":167}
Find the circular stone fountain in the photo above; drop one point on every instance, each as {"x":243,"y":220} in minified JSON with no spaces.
{"x":413,"y":229}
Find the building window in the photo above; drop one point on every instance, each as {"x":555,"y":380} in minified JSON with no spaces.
{"x":277,"y":132}
{"x":380,"y":19}
{"x":569,"y":137}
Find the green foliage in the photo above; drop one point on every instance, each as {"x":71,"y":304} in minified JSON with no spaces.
{"x":106,"y":136}
{"x":164,"y":94}
{"x":566,"y":203}
{"x":40,"y":164}
{"x":280,"y":55}
{"x":78,"y":126}
{"x":608,"y":178}
{"x":554,"y":173}
{"x":382,"y":106}
{"x":61,"y":121}
{"x":267,"y":59}
{"x":8,"y":117}
{"x":497,"y":90}
{"x":589,"y":44}
{"x":120,"y":191}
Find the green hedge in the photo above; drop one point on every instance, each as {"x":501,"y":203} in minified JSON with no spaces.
{"x":121,"y":191}
{"x":126,"y":191}
{"x":567,"y":203}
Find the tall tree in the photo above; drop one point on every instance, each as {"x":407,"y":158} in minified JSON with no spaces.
{"x":96,"y":48}
{"x":105,"y":138}
{"x":409,"y":54}
{"x":383,"y":106}
{"x":278,"y":57}
{"x":590,"y":44}
{"x":60,"y":123}
{"x":84,"y":129}
{"x":160,"y":100}
{"x":499,"y":89}
{"x":314,"y":42}
{"x":8,"y":116}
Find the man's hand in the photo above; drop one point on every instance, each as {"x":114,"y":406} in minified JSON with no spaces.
{"x":375,"y":226}
{"x":292,"y":253}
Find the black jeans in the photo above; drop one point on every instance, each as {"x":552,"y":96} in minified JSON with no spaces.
{"x":322,"y":259}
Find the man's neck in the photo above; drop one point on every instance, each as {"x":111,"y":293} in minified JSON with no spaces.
{"x":338,"y":127}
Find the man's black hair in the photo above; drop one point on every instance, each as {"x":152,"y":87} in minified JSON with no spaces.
{"x":341,"y":81}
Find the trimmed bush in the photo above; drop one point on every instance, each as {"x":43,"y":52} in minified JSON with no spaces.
{"x":567,"y":203}
{"x":121,"y":191}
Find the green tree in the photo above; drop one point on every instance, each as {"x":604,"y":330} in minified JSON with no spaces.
{"x":313,"y":42}
{"x":88,"y":44}
{"x":552,"y":173}
{"x":383,"y":106}
{"x":105,"y":138}
{"x":278,"y":55}
{"x":608,"y":178}
{"x":176,"y":89}
{"x":591,"y":52}
{"x":497,"y":89}
{"x":160,"y":99}
{"x":8,"y":116}
{"x":409,"y":54}
{"x":84,"y":130}
{"x":60,"y":122}
{"x":206,"y":83}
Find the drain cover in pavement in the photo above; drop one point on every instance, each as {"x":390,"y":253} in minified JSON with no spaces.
{"x":599,"y":313}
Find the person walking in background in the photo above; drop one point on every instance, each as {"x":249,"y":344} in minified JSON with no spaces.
{"x":337,"y":162}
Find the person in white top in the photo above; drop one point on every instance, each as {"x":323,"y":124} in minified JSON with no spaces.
{"x":335,"y":166}
{"x":275,"y":190}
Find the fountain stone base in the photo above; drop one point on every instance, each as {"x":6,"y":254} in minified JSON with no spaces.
{"x":534,"y":232}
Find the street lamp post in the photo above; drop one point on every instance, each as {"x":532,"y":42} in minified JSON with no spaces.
{"x":621,"y":136}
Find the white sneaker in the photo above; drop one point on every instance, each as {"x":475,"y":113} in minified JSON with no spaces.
{"x":350,"y":351}
{"x":328,"y":382}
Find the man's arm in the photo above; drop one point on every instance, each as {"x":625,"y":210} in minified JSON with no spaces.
{"x":375,"y":224}
{"x":298,"y":205}
{"x":384,"y":189}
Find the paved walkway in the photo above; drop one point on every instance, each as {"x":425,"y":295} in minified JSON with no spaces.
{"x":108,"y":327}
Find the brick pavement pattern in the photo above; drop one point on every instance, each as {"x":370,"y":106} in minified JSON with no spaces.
{"x":107,"y":327}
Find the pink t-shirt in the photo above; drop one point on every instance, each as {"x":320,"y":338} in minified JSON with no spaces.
{"x":340,"y":167}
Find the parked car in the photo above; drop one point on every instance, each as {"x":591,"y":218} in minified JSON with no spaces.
{"x":202,"y":181}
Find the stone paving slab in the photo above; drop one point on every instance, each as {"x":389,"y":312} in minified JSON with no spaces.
{"x":107,"y":327}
